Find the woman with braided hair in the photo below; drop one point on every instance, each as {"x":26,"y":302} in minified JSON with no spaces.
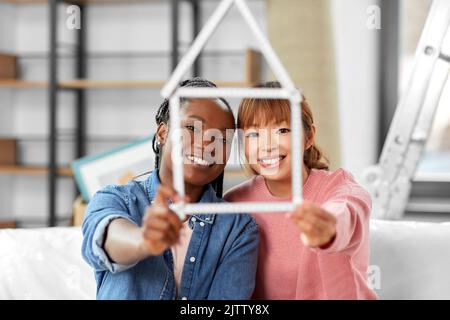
{"x":140,"y":249}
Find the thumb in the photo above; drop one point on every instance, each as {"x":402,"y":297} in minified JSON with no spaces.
{"x":163,"y":195}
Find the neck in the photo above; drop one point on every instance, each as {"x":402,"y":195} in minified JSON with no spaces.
{"x":166,"y":179}
{"x":283,"y":188}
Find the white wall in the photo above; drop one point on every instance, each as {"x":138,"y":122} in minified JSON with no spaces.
{"x":113,"y":115}
{"x":6,"y":25}
{"x":357,"y":75}
{"x":6,"y":110}
{"x":7,"y":46}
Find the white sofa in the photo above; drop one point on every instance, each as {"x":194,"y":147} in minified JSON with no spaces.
{"x":409,"y":260}
{"x":44,"y":264}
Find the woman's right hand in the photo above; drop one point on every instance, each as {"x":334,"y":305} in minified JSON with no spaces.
{"x":160,"y":226}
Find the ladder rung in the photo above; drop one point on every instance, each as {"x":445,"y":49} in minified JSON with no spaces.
{"x":444,"y":57}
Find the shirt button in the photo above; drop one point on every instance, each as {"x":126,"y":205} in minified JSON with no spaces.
{"x":194,"y":219}
{"x":192,"y":259}
{"x":184,"y":298}
{"x":202,"y":224}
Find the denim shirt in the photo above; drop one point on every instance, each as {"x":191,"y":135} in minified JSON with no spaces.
{"x":220,"y":261}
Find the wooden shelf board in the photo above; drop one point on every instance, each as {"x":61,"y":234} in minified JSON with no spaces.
{"x":22,"y":83}
{"x":106,"y":84}
{"x":33,"y":170}
{"x":24,"y":1}
{"x":67,"y":172}
{"x":110,"y":84}
{"x":77,"y":1}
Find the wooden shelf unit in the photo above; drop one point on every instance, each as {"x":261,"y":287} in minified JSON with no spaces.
{"x":252,"y":76}
{"x":33,"y":170}
{"x":252,"y":73}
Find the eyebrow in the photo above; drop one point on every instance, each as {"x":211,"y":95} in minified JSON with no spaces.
{"x":203,"y":120}
{"x":197,"y":117}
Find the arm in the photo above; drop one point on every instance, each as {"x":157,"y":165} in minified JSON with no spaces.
{"x":113,"y":239}
{"x":107,"y":205}
{"x":338,"y":224}
{"x":352,"y":212}
{"x":126,"y":243}
{"x":122,"y":242}
{"x":235,"y":276}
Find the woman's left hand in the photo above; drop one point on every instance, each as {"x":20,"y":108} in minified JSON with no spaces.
{"x":317,"y":226}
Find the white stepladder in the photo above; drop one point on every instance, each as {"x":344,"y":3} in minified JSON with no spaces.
{"x":287,"y":91}
{"x":390,"y":180}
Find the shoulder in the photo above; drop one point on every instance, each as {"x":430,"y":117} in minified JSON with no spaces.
{"x":131,"y":191}
{"x":243,"y":190}
{"x":339,"y":173}
{"x":336,"y":178}
{"x":340,"y":182}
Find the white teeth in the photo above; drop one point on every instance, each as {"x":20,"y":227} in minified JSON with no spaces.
{"x":198,"y":161}
{"x":270,"y":161}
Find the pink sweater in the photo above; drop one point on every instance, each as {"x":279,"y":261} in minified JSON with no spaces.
{"x":287,"y":269}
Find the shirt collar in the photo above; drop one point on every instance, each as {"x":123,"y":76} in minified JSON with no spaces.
{"x":208,"y":196}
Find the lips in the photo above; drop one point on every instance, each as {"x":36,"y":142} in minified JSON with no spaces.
{"x":199,"y":161}
{"x":270,"y":162}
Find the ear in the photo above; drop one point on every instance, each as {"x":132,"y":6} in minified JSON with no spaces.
{"x":309,"y":139}
{"x":161,"y":133}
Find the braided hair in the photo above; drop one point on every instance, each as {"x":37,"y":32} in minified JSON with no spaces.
{"x":163,"y":116}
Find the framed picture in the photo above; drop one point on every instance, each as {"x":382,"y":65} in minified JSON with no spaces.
{"x":116,"y":166}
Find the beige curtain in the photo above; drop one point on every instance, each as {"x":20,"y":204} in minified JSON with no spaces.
{"x":414,"y":15}
{"x":301,"y":34}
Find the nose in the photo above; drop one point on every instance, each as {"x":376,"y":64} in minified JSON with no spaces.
{"x":198,"y":144}
{"x":268,"y":149}
{"x":205,"y":140}
{"x":268,"y":142}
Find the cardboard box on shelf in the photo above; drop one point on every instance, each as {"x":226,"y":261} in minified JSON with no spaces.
{"x":79,"y":209}
{"x":79,"y":205}
{"x":8,"y":66}
{"x":8,"y":149}
{"x":8,"y":224}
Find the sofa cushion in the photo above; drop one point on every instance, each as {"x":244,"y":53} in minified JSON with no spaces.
{"x":44,"y":264}
{"x":409,"y":260}
{"x":413,"y":259}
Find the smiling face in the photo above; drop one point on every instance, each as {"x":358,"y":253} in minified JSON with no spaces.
{"x":268,"y":150}
{"x":266,"y":136}
{"x":208,"y":128}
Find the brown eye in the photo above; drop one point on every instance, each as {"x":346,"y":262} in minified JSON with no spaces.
{"x":284,"y":130}
{"x":191,"y":128}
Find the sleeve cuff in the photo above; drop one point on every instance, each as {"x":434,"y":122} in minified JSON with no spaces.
{"x":97,"y":245}
{"x":342,"y":236}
